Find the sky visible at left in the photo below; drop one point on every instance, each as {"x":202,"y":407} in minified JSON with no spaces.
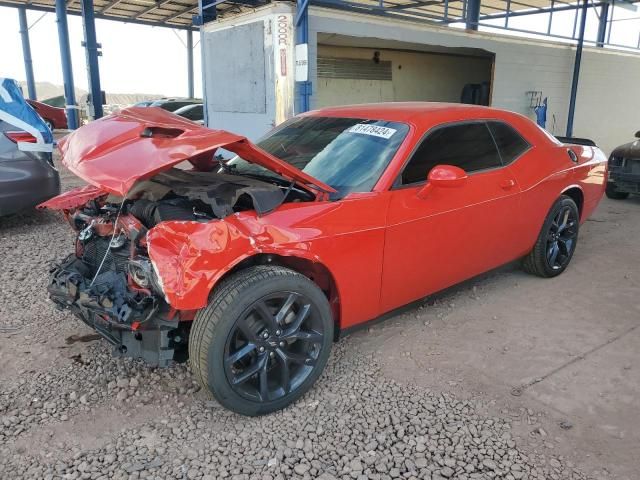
{"x":135,"y":58}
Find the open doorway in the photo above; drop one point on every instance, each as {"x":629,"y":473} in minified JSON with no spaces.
{"x":354,"y":70}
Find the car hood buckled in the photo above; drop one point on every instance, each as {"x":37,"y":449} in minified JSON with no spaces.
{"x":136,"y":143}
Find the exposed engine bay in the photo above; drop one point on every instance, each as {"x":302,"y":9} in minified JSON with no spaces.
{"x":110,"y":282}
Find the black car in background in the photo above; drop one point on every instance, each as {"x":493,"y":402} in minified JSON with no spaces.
{"x":624,"y":170}
{"x":194,"y":112}
{"x":173,"y":104}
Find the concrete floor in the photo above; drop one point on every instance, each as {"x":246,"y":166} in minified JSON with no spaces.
{"x":560,"y":356}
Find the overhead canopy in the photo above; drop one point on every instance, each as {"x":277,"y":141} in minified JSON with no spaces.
{"x":179,"y":13}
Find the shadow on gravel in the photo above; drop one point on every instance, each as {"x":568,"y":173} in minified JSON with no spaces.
{"x":28,"y":218}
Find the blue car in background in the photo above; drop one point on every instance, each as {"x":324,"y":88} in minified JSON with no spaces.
{"x":27,"y":174}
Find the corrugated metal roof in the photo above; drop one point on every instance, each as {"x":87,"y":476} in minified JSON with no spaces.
{"x":178,"y":13}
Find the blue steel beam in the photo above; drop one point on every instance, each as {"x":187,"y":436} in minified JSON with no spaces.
{"x":65,"y":58}
{"x":26,"y":53}
{"x":92,"y":48}
{"x":473,"y":14}
{"x":576,"y":69}
{"x":602,"y":25}
{"x":207,"y":12}
{"x":190,"y":63}
{"x":302,"y":37}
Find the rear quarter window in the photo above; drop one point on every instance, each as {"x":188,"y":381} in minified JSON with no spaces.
{"x":509,"y":142}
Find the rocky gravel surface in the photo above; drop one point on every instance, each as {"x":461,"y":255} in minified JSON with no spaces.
{"x":354,"y":424}
{"x":69,"y":410}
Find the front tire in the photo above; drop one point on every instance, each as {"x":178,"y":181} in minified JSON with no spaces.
{"x":557,"y":240}
{"x":49,"y":124}
{"x":612,"y":193}
{"x":262,"y":341}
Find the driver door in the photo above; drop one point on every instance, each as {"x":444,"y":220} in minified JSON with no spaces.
{"x":450,"y":234}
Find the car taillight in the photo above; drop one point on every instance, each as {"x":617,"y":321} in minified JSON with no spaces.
{"x":16,"y":137}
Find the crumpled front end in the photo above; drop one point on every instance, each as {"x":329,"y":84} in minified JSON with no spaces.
{"x":130,"y":319}
{"x":109,"y":283}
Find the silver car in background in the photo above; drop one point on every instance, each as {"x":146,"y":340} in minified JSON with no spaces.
{"x":26,"y":178}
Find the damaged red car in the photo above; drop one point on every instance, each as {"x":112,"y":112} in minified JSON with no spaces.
{"x":250,"y":266}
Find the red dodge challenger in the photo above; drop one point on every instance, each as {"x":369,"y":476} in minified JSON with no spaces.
{"x":250,"y":265}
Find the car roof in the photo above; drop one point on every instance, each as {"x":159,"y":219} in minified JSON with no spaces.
{"x":410,"y":111}
{"x":426,"y":115}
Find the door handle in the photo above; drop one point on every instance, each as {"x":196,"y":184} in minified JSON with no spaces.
{"x":507,"y":184}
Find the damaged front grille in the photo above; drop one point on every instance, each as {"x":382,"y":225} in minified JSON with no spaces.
{"x":95,"y":249}
{"x":107,"y":295}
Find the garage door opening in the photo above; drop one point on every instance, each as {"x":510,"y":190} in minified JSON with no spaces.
{"x":354,"y":70}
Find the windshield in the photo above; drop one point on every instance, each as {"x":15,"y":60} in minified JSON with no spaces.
{"x":349,"y":154}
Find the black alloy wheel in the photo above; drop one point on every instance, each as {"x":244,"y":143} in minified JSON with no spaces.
{"x":556,"y":241}
{"x":561,"y":238}
{"x":273,"y":346}
{"x":263,"y":339}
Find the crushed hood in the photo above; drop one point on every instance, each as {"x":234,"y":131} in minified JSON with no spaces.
{"x":136,"y":143}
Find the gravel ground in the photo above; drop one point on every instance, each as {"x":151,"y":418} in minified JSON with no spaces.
{"x":70,"y":410}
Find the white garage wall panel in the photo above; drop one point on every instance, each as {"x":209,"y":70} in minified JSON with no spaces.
{"x":249,"y":88}
{"x":607,"y":106}
{"x":248,"y":71}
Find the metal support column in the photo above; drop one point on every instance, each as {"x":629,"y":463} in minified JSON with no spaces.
{"x":472,"y":16}
{"x":65,"y":58}
{"x":190,"y":63}
{"x":26,"y":53}
{"x":576,"y":69}
{"x":602,"y":25}
{"x":302,"y":37}
{"x":207,"y":12}
{"x":92,"y":49}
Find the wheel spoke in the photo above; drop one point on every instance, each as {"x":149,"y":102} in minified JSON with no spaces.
{"x":250,"y":371}
{"x":566,"y":244}
{"x":266,"y":315}
{"x":565,"y":219}
{"x":553,"y":254}
{"x":241,"y":353}
{"x":285,"y":373}
{"x":298,"y":358}
{"x":264,"y":380}
{"x":297,"y":322}
{"x":306,"y":336}
{"x":286,"y":307}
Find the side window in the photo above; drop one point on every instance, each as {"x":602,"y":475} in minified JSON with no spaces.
{"x":509,"y":141}
{"x":467,"y":145}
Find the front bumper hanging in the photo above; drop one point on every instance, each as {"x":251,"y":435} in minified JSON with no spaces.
{"x":130,"y":320}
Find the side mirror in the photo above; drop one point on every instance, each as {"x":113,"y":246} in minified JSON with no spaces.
{"x":443,"y":176}
{"x":638,"y":134}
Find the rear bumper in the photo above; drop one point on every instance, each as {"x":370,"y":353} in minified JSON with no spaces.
{"x":623,"y":181}
{"x":130,"y":321}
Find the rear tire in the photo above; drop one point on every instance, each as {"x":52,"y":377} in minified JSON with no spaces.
{"x":613,"y":194}
{"x":557,"y":240}
{"x":262,"y":341}
{"x":49,"y":124}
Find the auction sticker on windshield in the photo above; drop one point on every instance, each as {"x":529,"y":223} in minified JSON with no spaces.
{"x":374,"y":130}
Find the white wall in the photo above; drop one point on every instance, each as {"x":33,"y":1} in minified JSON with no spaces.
{"x":608,"y":99}
{"x":247,"y":70}
{"x":416,"y":76}
{"x":607,"y":103}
